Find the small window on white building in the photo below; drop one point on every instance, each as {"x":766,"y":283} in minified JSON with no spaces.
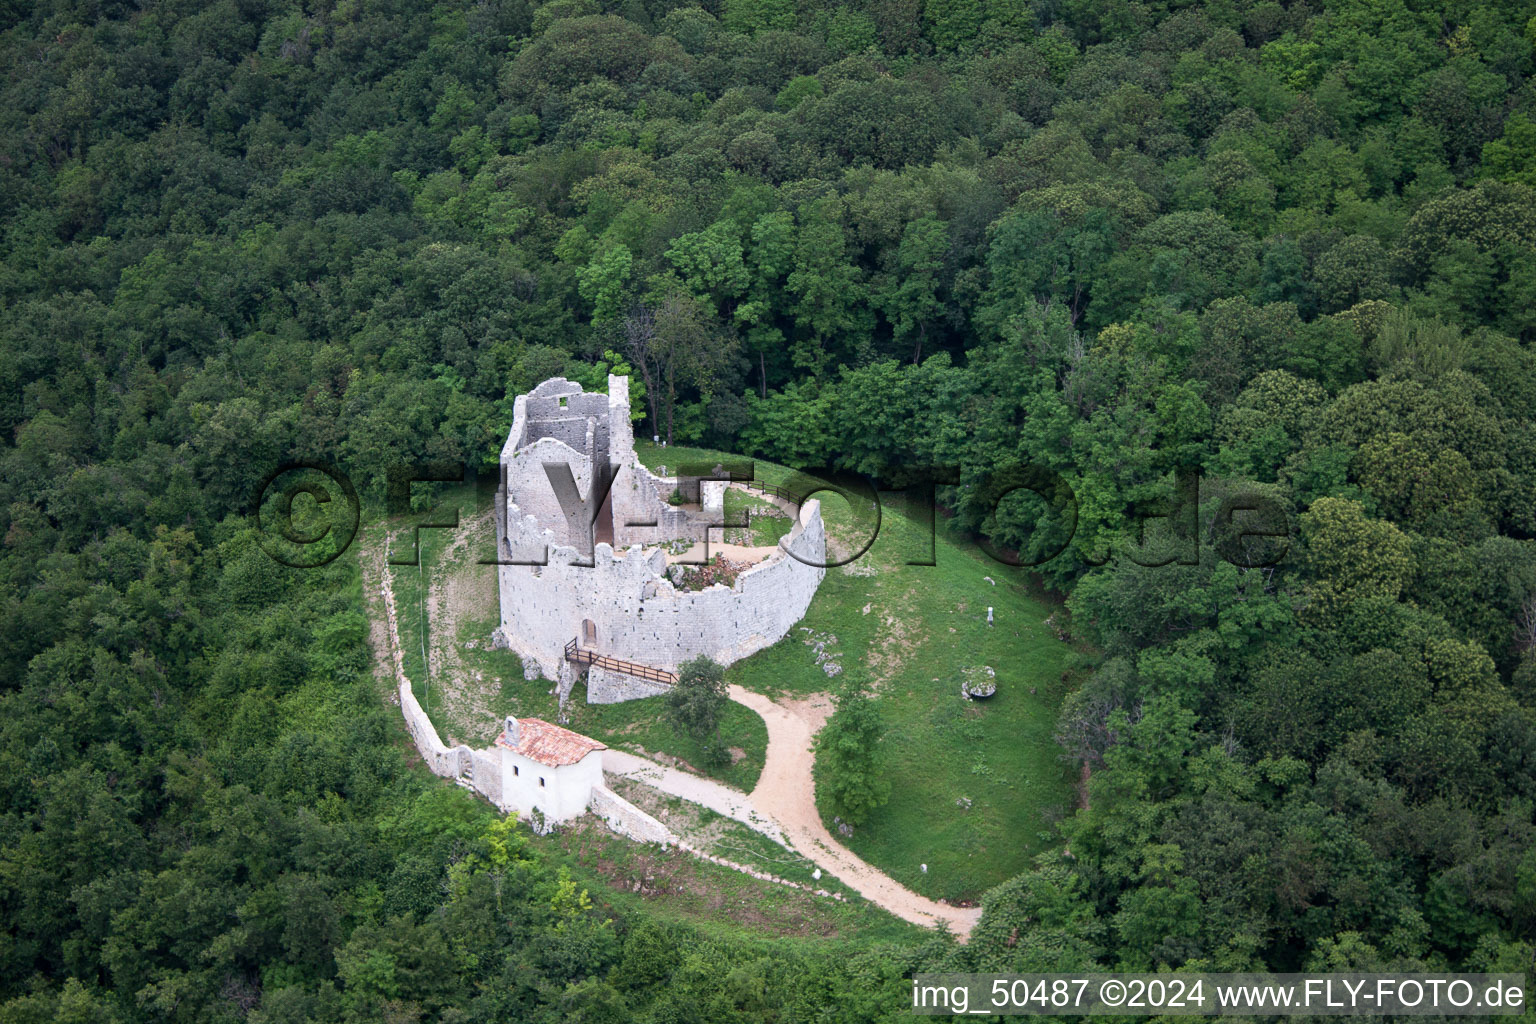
{"x":514,"y":770}
{"x":541,"y":782}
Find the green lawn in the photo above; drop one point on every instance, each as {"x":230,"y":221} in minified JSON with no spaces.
{"x":907,"y":631}
{"x":636,"y":725}
{"x":672,"y":885}
{"x":765,"y":530}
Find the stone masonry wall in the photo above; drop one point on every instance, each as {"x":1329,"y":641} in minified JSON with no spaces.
{"x":639,"y":616}
{"x":635,"y":611}
{"x":439,"y":758}
{"x":487,"y":779}
{"x":638,"y":497}
{"x":570,"y":430}
{"x":605,"y":686}
{"x":591,"y":429}
{"x":480,"y":769}
{"x":528,"y":486}
{"x":627,"y":819}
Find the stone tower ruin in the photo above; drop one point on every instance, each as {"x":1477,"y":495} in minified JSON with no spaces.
{"x":588,"y":532}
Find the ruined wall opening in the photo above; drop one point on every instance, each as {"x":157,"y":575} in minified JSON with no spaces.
{"x":602,"y":527}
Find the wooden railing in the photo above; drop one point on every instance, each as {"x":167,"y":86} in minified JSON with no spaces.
{"x":574,"y":652}
{"x":777,"y":492}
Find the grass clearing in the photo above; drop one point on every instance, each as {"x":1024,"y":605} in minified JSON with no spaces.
{"x":767,"y":525}
{"x":640,"y":727}
{"x":975,"y":785}
{"x":673,"y":885}
{"x":716,"y":834}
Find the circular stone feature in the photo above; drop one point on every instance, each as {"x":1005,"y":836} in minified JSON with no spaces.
{"x":978,"y":682}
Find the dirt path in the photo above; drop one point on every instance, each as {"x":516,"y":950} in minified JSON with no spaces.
{"x":718,"y":797}
{"x":460,"y":590}
{"x":786,"y":793}
{"x":457,"y":609}
{"x":694,"y":555}
{"x":384,"y":635}
{"x":783,"y":807}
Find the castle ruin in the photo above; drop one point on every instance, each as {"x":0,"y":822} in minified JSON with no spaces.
{"x":586,"y":533}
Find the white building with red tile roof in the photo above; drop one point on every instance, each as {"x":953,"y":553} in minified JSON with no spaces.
{"x":547,"y":769}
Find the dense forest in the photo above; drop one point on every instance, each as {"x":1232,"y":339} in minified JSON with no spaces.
{"x":1286,"y":248}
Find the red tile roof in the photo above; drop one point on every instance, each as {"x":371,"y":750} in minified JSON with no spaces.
{"x":549,"y":744}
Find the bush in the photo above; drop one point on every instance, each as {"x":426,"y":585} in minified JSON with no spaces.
{"x":848,"y":762}
{"x":695,"y":704}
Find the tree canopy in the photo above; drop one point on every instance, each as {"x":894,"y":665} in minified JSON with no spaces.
{"x":1289,"y":249}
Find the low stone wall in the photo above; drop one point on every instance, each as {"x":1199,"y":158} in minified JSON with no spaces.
{"x":479,"y":770}
{"x":620,"y":815}
{"x":627,"y":819}
{"x":487,"y":778}
{"x":440,"y":759}
{"x":605,"y":686}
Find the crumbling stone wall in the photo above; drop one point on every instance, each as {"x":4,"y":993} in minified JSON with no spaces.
{"x":560,"y":409}
{"x":479,"y":770}
{"x":621,"y":591}
{"x":640,"y":616}
{"x":528,"y":481}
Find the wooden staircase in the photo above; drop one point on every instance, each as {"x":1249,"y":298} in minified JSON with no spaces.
{"x":579,"y":655}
